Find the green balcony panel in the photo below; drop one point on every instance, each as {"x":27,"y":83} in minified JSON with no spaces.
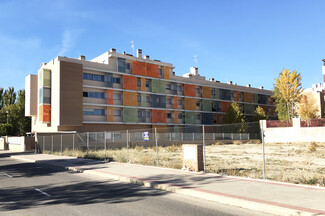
{"x":206,"y":105}
{"x":158,"y":86}
{"x":216,"y":93}
{"x":143,"y":100}
{"x":190,"y":117}
{"x":130,"y":114}
{"x":248,"y":108}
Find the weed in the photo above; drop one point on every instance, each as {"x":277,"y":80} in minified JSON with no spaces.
{"x":313,"y":147}
{"x":237,"y":142}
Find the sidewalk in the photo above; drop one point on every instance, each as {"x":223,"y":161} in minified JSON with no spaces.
{"x":267,"y":196}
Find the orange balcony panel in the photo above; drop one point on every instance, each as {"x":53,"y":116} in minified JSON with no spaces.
{"x":190,"y":104}
{"x":175,"y":117}
{"x":129,"y":82}
{"x":248,"y":97}
{"x":175,"y":104}
{"x":143,"y":84}
{"x":110,"y":114}
{"x":109,"y":93}
{"x":159,"y":116}
{"x":45,"y":113}
{"x":225,"y":106}
{"x":152,"y":70}
{"x":189,"y":90}
{"x":130,"y":99}
{"x":138,"y":68}
{"x":166,"y":72}
{"x":206,"y":92}
{"x":237,"y":96}
{"x":219,"y":118}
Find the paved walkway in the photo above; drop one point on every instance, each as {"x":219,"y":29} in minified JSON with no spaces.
{"x":267,"y":196}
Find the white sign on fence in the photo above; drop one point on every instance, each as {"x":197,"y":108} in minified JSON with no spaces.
{"x":145,"y":136}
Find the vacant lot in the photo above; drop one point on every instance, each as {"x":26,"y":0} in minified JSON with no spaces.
{"x":302,"y":163}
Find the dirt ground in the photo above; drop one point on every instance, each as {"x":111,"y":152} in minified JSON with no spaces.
{"x":302,"y":163}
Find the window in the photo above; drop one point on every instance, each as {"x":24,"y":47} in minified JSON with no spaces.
{"x":198,"y":103}
{"x":148,"y":99}
{"x":139,"y":98}
{"x":148,"y":114}
{"x":138,"y":82}
{"x":179,"y":88}
{"x":99,"y":112}
{"x":180,"y":102}
{"x":168,"y":86}
{"x":128,"y":66}
{"x":197,"y":90}
{"x":147,"y":84}
{"x":160,"y":72}
{"x":139,"y":113}
{"x":180,"y":116}
{"x":116,"y":80}
{"x":94,"y":94}
{"x":198,"y":117}
{"x":169,"y":115}
{"x":116,"y":96}
{"x":117,"y":112}
{"x":169,"y":101}
{"x":213,"y":92}
{"x":93,"y":77}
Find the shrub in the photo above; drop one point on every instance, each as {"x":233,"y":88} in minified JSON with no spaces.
{"x":313,"y":146}
{"x":6,"y":129}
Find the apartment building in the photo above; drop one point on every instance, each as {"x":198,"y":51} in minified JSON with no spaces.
{"x":120,"y":91}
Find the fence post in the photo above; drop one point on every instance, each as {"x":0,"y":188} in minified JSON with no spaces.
{"x":262,"y":137}
{"x":223,"y":136}
{"x":182,"y":135}
{"x":52,"y":145}
{"x":232,"y":136}
{"x":73,"y":144}
{"x":61,"y":145}
{"x":193,"y":137}
{"x":127,"y":146}
{"x":156,"y":140}
{"x":43,"y":144}
{"x":204,"y":156}
{"x":105,"y":159}
{"x":87,"y":140}
{"x":239,"y":136}
{"x":214,"y":136}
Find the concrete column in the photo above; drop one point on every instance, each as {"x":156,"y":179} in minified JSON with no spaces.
{"x":296,"y":122}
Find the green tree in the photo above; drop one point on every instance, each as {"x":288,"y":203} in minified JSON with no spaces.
{"x":260,"y":114}
{"x":287,"y":89}
{"x":9,"y":97}
{"x":234,"y":114}
{"x":24,"y":123}
{"x":1,"y":98}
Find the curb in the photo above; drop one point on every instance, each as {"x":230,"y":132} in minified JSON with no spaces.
{"x":228,"y":199}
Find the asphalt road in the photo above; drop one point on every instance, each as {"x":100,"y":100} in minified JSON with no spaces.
{"x":34,"y":189}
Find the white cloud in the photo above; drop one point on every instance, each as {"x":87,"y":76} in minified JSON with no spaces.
{"x":69,"y":39}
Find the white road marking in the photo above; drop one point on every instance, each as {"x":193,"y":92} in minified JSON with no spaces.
{"x":46,"y":194}
{"x":10,"y":176}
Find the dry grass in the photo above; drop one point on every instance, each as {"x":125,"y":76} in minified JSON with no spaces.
{"x":302,"y":163}
{"x":295,"y":163}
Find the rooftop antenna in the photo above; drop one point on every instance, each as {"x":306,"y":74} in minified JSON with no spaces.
{"x":132,"y":46}
{"x":195,"y":60}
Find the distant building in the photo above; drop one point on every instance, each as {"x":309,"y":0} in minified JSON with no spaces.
{"x":120,"y":91}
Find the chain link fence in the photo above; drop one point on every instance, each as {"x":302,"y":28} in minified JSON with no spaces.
{"x":234,"y":149}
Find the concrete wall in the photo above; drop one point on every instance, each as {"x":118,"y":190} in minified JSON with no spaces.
{"x":293,"y":134}
{"x":21,"y":143}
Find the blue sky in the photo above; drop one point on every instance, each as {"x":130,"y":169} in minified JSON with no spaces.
{"x":242,"y":41}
